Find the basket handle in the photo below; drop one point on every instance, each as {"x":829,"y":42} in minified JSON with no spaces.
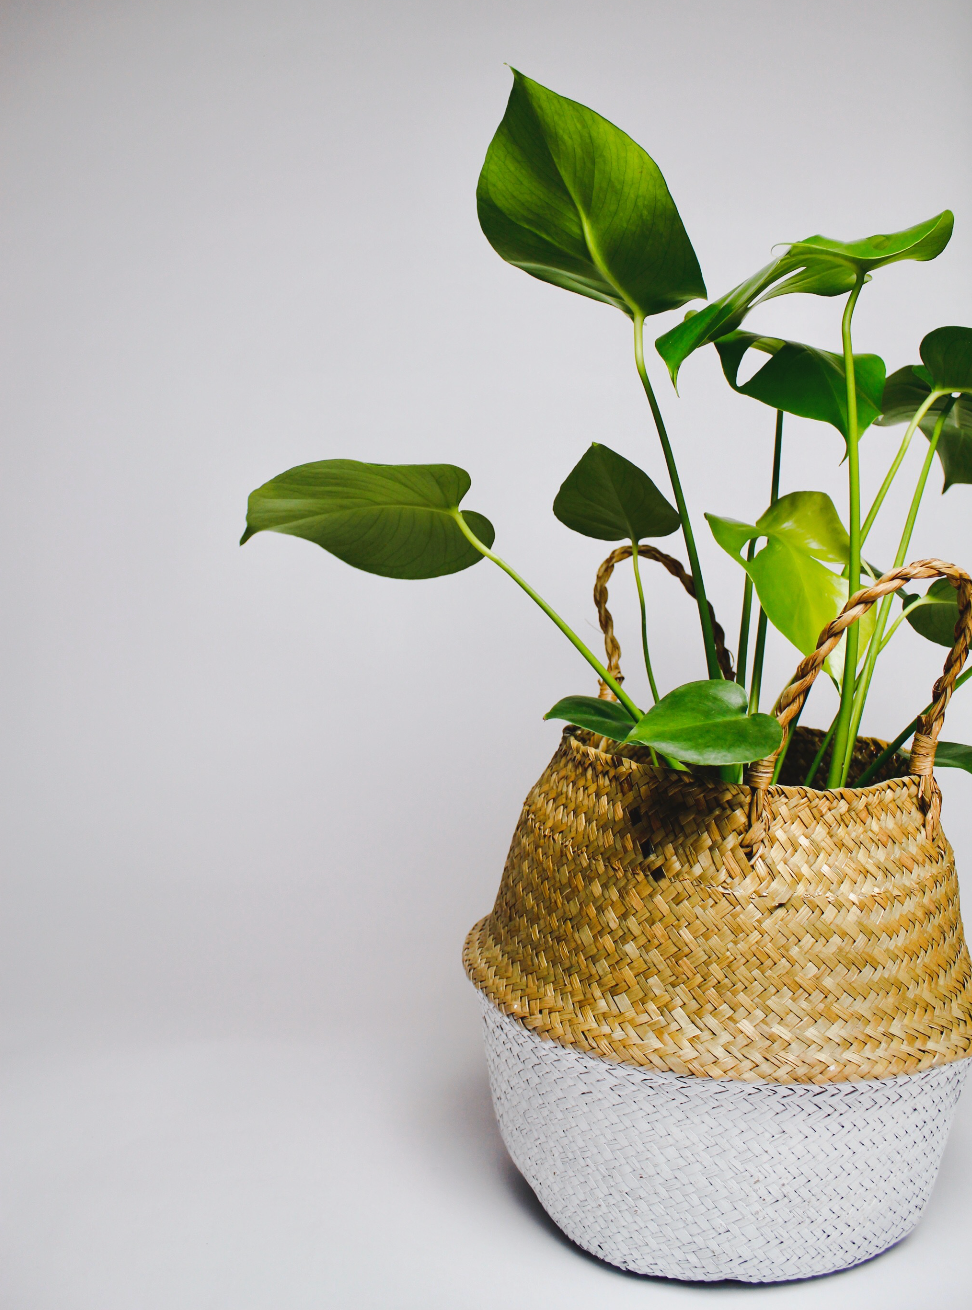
{"x":760,"y":773}
{"x":612,"y":647}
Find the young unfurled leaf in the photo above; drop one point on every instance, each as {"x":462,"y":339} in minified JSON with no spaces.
{"x":571,"y":199}
{"x":817,"y":266}
{"x":953,"y":755}
{"x":707,"y":723}
{"x":802,"y":380}
{"x":605,"y":717}
{"x":607,"y":497}
{"x":936,"y":618}
{"x":397,"y":520}
{"x":799,"y":594}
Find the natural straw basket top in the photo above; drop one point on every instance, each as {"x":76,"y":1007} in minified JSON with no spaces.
{"x":680,"y":922}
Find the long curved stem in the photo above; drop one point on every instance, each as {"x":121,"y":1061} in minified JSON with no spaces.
{"x":644,"y":622}
{"x":885,"y":487}
{"x":884,"y":608}
{"x":708,"y":636}
{"x":852,"y":640}
{"x":551,"y":613}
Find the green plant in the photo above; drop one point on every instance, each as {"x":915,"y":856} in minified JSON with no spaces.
{"x":575,"y":202}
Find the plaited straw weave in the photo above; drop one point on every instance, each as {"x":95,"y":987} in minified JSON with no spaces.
{"x":633,"y":922}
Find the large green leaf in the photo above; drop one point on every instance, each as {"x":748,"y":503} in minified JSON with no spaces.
{"x":817,"y":266}
{"x":607,"y":497}
{"x":936,"y":618}
{"x":605,"y":717}
{"x":953,"y":755}
{"x":571,"y":199}
{"x":708,"y":723}
{"x":799,"y":594}
{"x":947,"y":368}
{"x":802,"y":380}
{"x":397,"y":520}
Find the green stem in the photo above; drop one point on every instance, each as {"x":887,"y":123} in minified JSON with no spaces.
{"x":908,"y":609}
{"x":568,"y":632}
{"x":902,"y":737}
{"x":818,"y":758}
{"x":884,"y":608}
{"x":708,"y":637}
{"x":744,"y":621}
{"x":644,"y":621}
{"x":885,"y":487}
{"x":761,"y":627}
{"x":837,"y":773}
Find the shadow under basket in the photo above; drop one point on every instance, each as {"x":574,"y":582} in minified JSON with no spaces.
{"x":712,"y":1063}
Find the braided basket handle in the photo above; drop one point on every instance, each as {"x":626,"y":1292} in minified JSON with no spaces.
{"x":612,"y":647}
{"x":760,"y":773}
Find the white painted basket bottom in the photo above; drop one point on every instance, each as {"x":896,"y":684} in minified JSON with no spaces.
{"x":701,"y":1178}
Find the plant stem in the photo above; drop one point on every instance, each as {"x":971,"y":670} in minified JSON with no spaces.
{"x":884,"y":608}
{"x":644,"y":622}
{"x":818,"y":758}
{"x":908,"y":609}
{"x":744,"y":621}
{"x":837,"y":773}
{"x":568,"y":632}
{"x":761,"y":627}
{"x":902,"y":737}
{"x":708,"y":637}
{"x":885,"y":487}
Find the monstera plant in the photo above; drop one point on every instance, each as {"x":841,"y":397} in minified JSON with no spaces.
{"x":572,"y":200}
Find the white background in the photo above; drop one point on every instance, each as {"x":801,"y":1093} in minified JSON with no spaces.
{"x":254,"y":799}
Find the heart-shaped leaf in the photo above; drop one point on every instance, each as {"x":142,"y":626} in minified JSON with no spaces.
{"x":708,"y":723}
{"x":397,"y":520}
{"x":571,"y":199}
{"x":953,"y":755}
{"x":945,"y":370}
{"x":802,"y":380}
{"x":936,"y":618}
{"x":947,"y":355}
{"x":817,"y":266}
{"x":607,"y":497}
{"x":799,"y":594}
{"x":605,"y":717}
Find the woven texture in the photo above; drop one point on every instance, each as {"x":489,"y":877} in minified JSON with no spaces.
{"x":631,"y":923}
{"x":697,"y":1178}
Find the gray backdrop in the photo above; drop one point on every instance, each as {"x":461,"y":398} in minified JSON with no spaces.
{"x":254,"y":799}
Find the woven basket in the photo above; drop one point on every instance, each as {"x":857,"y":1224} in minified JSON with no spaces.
{"x":727,"y":1024}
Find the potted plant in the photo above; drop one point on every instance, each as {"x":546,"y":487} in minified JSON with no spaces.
{"x":726,"y":992}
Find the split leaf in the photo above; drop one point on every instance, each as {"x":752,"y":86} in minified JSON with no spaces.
{"x":572,"y":200}
{"x":605,"y":717}
{"x":396,"y":520}
{"x":805,"y":381}
{"x":708,"y":723}
{"x":607,"y":497}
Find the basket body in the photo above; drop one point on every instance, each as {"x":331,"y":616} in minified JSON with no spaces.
{"x":711,"y":1062}
{"x":705,"y":1179}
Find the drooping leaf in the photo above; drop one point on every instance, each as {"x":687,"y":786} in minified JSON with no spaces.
{"x":935,"y":620}
{"x":571,"y":199}
{"x":605,"y":717}
{"x":607,"y":497}
{"x":708,"y":723}
{"x":397,"y":520}
{"x":953,"y":755}
{"x":905,"y":392}
{"x":799,"y":594}
{"x":947,"y":355}
{"x":802,"y":380}
{"x":817,"y":266}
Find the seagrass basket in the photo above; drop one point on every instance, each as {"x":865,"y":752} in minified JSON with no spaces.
{"x":726,"y":1024}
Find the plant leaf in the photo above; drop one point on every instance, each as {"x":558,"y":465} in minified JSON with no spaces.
{"x":707,"y":723}
{"x":906,"y":390}
{"x":953,"y":755}
{"x":817,"y":266}
{"x":572,"y":200}
{"x":936,"y":619}
{"x":947,"y":355}
{"x":802,"y":380}
{"x":607,"y":497}
{"x":799,"y":594}
{"x":396,"y":520}
{"x":605,"y":717}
